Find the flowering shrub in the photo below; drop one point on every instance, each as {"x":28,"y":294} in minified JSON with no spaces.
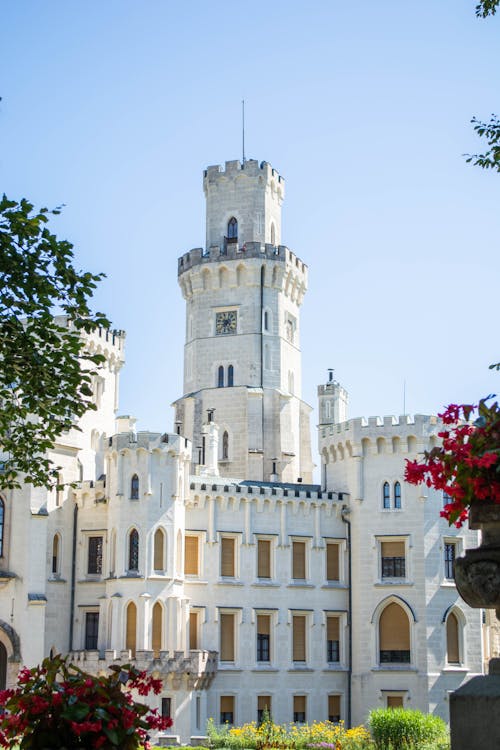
{"x":322,"y":735}
{"x":467,"y":465}
{"x":57,"y":705}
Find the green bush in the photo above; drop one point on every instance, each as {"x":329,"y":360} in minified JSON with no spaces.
{"x":403,"y":729}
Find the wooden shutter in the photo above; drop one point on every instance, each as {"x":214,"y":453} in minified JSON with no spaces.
{"x":191,"y":556}
{"x":264,"y":558}
{"x":332,"y":562}
{"x":131,"y":635}
{"x":263,"y":624}
{"x":263,"y":702}
{"x":227,"y":704}
{"x":393,"y":549}
{"x":394,"y":701}
{"x":299,"y":638}
{"x":227,"y":637}
{"x":227,"y":557}
{"x":332,"y":628}
{"x":452,"y":648}
{"x":394,"y":629}
{"x":299,"y":560}
{"x":193,"y":630}
{"x":299,"y":704}
{"x":157,"y":629}
{"x":333,"y":706}
{"x":158,"y":550}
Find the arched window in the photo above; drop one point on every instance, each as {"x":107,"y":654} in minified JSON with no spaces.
{"x":273,"y":235}
{"x":178,"y":556}
{"x":230,"y":375}
{"x":225,"y":446}
{"x":2,"y":525}
{"x":397,"y":495}
{"x":134,"y":488}
{"x":55,"y":554}
{"x":386,"y":495}
{"x":452,"y":639}
{"x":157,"y":630}
{"x":133,"y":550}
{"x":394,"y":635}
{"x":3,"y":667}
{"x":220,"y":377}
{"x":266,"y":320}
{"x":159,"y":550}
{"x":112,"y":554}
{"x":232,"y":229}
{"x":131,"y":632}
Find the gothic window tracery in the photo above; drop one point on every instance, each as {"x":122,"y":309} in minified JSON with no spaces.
{"x":133,"y":550}
{"x":134,"y":488}
{"x":232,"y":229}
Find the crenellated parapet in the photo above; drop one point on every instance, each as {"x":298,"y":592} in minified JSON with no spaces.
{"x":192,"y":670}
{"x":379,"y":435}
{"x":173,"y":444}
{"x":214,"y":174}
{"x":109,"y":343}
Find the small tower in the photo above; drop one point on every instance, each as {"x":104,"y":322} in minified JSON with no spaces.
{"x":332,"y":402}
{"x":242,"y":356}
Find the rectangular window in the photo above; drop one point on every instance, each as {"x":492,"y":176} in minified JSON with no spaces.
{"x":332,"y":561}
{"x":166,"y":708}
{"x":332,"y":639}
{"x":95,"y":555}
{"x":263,"y":708}
{"x":91,"y":630}
{"x":298,"y":560}
{"x":334,"y":708}
{"x":193,"y":631}
{"x":449,"y":560}
{"x":299,"y":708}
{"x":198,"y":712}
{"x":393,"y":560}
{"x":191,"y":562}
{"x":264,"y":558}
{"x":227,"y":637}
{"x":299,"y":637}
{"x":227,"y":709}
{"x":395,"y":701}
{"x":263,"y":637}
{"x":227,"y":557}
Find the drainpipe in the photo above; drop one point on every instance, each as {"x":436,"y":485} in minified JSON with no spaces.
{"x":73,"y":577}
{"x":345,"y":517}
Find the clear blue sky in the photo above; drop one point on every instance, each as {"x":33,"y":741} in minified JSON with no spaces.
{"x":114,"y":109}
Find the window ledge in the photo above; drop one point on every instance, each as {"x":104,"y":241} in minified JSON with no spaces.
{"x":195,"y":581}
{"x":229,"y":668}
{"x":395,"y":668}
{"x":229,"y":582}
{"x":92,"y":580}
{"x":333,"y":668}
{"x":448,"y":583}
{"x":52,"y":579}
{"x":458,"y":668}
{"x":264,"y":669}
{"x":157,"y":576}
{"x":394,"y":582}
{"x":132,"y":576}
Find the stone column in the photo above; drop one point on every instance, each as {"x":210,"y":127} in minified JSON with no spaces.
{"x":475,"y":712}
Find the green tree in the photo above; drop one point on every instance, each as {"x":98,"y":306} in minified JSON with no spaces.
{"x":45,"y":373}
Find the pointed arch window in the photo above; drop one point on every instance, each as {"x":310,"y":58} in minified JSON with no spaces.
{"x":397,"y":495}
{"x":225,"y":446}
{"x":220,"y":377}
{"x":230,"y":375}
{"x":452,"y":639}
{"x":55,"y":555}
{"x":159,"y":550}
{"x":2,"y":525}
{"x":133,"y":550}
{"x":131,"y":628}
{"x":134,"y":488}
{"x":232,"y":229}
{"x":157,"y":628}
{"x":386,"y":495}
{"x":273,"y":235}
{"x":394,"y":635}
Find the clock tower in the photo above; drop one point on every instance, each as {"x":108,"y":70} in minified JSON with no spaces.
{"x":242,"y":360}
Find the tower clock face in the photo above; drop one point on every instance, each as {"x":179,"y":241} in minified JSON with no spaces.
{"x":225,"y":322}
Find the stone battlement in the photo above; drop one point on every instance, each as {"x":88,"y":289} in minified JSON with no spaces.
{"x":149,"y":441}
{"x":250,"y":167}
{"x":273,"y":491}
{"x":219,"y":254}
{"x":106,"y":341}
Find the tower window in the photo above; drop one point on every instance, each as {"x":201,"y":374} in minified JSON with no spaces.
{"x":397,"y":495}
{"x":133,"y":550}
{"x":134,"y":488}
{"x":91,"y":630}
{"x":266,"y":320}
{"x":273,"y":235}
{"x":225,"y":446}
{"x":230,"y":375}
{"x":232,"y":229}
{"x":386,"y":495}
{"x":220,"y":377}
{"x":94,"y":565}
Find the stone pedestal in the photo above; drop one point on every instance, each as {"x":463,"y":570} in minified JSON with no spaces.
{"x":475,"y":712}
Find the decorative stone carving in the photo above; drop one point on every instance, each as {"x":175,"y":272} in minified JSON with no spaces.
{"x":477,"y":572}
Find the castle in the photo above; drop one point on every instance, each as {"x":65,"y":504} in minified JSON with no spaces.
{"x":207,"y":554}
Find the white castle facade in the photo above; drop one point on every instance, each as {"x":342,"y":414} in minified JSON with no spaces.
{"x":207,"y":554}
